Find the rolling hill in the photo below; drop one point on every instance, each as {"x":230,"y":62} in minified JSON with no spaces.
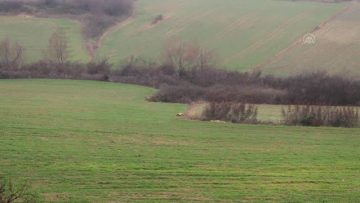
{"x":243,"y":33}
{"x":336,"y":50}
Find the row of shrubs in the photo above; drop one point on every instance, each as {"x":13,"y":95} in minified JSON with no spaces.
{"x":185,"y":75}
{"x":219,"y":93}
{"x":231,"y":112}
{"x":347,"y":117}
{"x":208,"y":84}
{"x":48,"y":69}
{"x":321,"y":116}
{"x":212,"y":84}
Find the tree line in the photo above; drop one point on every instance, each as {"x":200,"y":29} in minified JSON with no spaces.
{"x":186,"y":74}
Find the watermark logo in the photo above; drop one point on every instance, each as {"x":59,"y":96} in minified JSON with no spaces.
{"x":309,"y":39}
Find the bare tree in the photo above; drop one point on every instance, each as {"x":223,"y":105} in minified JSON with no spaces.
{"x":205,"y":59}
{"x":183,"y":56}
{"x":11,"y":54}
{"x":58,"y":47}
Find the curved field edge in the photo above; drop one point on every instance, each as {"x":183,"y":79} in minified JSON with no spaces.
{"x":33,"y":33}
{"x":93,"y":141}
{"x":243,"y":33}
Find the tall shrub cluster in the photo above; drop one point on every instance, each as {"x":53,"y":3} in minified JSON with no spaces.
{"x":323,"y":88}
{"x":321,"y":116}
{"x":231,"y":112}
{"x":217,"y":85}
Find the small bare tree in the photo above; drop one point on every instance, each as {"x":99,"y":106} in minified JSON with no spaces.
{"x":57,"y":50}
{"x":184,"y":56}
{"x":11,"y":54}
{"x":205,"y":59}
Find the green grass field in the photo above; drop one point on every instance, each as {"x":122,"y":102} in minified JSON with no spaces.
{"x":243,"y":33}
{"x":84,"y":141}
{"x":33,"y":34}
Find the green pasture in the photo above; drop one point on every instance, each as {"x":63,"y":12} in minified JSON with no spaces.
{"x":86,"y":141}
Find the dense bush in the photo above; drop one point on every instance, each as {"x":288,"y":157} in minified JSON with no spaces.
{"x":322,"y":89}
{"x":179,"y":94}
{"x":221,"y":85}
{"x":321,"y":116}
{"x":218,"y":93}
{"x":151,"y":75}
{"x":12,"y":6}
{"x":156,"y":75}
{"x":231,"y":112}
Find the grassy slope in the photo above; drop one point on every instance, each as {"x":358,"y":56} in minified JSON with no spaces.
{"x":34,"y":33}
{"x":336,"y":50}
{"x":244,"y":33}
{"x":92,"y":141}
